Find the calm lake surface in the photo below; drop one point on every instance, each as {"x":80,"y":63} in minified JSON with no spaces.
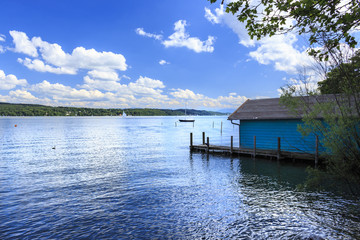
{"x":134,"y":178}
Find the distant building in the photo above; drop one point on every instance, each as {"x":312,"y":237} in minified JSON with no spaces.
{"x":267,"y":119}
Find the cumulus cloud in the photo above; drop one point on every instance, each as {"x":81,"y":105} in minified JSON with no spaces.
{"x":141,"y":32}
{"x":221,"y":17}
{"x":49,"y":57}
{"x":23,"y":44}
{"x":61,"y":92}
{"x":197,"y":100}
{"x":103,"y":89}
{"x":22,"y":96}
{"x":10,"y":81}
{"x":163,"y":62}
{"x":142,"y":87}
{"x":111,"y":76}
{"x":40,"y":66}
{"x":180,"y":38}
{"x":100,"y":84}
{"x":279,"y":50}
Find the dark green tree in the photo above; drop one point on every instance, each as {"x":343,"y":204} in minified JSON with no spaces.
{"x":344,"y":78}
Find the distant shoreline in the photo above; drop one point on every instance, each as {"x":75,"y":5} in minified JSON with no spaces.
{"x":20,"y":110}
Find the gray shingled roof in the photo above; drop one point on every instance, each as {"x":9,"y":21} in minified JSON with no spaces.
{"x":261,"y":109}
{"x":271,"y":108}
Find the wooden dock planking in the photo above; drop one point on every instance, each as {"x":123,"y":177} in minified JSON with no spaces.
{"x":250,"y":152}
{"x":254,"y":152}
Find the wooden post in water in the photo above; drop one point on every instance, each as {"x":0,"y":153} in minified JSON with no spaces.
{"x":316,"y":151}
{"x":231,"y":145}
{"x":203,"y":135}
{"x":279,"y":149}
{"x":208,"y":144}
{"x":213,"y":124}
{"x":191,"y":141}
{"x":254,"y":147}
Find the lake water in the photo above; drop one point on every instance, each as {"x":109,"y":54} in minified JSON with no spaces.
{"x":134,"y":178}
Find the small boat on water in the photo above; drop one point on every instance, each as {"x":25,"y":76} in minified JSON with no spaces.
{"x":124,"y":114}
{"x":185,"y":119}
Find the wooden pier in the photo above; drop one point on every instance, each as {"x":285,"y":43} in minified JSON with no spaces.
{"x":253,"y":152}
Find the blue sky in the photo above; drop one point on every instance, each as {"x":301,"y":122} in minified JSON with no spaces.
{"x":122,"y":54}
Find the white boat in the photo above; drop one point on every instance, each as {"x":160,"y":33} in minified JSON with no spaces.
{"x":185,"y":119}
{"x":124,"y":114}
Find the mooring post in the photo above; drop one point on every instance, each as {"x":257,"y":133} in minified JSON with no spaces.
{"x":191,"y":141}
{"x":203,"y":134}
{"x":316,"y":151}
{"x":231,"y":144}
{"x":254,"y":147}
{"x":208,"y":144}
{"x":279,"y":149}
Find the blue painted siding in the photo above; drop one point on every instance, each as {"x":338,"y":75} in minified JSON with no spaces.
{"x":267,"y":132}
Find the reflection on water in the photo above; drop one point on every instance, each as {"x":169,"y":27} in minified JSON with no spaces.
{"x":117,"y":178}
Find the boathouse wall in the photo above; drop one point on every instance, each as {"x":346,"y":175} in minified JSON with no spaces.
{"x":268,"y":131}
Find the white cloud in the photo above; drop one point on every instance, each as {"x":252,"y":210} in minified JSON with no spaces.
{"x":148,"y":82}
{"x":61,"y":92}
{"x":10,"y":81}
{"x":180,"y":38}
{"x":106,"y":91}
{"x":2,"y":39}
{"x":40,"y":66}
{"x":145,"y":86}
{"x":53,"y":59}
{"x":302,"y":86}
{"x":99,"y":84}
{"x":279,"y":50}
{"x":111,"y":76}
{"x":22,"y":96}
{"x":186,"y":94}
{"x":200,"y":100}
{"x":230,"y":20}
{"x":23,"y":44}
{"x":141,"y":32}
{"x":163,"y":62}
{"x":142,"y":87}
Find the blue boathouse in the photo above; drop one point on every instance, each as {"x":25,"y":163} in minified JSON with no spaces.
{"x":264,"y":121}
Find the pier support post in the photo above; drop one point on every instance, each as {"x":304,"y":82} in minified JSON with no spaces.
{"x":316,"y":151}
{"x":208,"y":144}
{"x":203,"y":135}
{"x":231,"y":145}
{"x":254,"y":154}
{"x":191,"y":141}
{"x":279,"y":149}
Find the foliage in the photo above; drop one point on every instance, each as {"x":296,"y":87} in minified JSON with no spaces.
{"x":8,"y":109}
{"x":335,"y":119}
{"x":327,"y":23}
{"x":345,"y":78}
